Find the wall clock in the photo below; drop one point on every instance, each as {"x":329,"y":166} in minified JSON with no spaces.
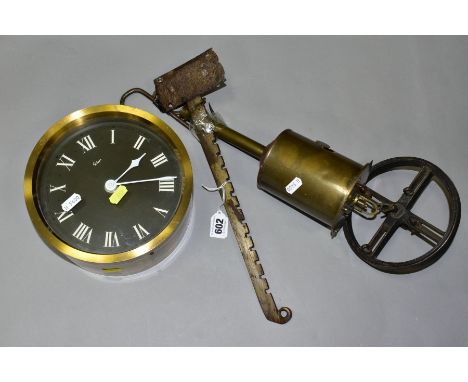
{"x":109,"y":188}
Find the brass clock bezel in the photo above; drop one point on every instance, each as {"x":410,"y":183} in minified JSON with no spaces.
{"x":76,"y":120}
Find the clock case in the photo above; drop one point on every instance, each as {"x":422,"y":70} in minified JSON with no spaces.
{"x":124,"y":263}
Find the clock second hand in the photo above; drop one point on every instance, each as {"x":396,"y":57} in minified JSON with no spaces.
{"x":147,"y":180}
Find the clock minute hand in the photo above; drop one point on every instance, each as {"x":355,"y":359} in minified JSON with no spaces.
{"x":147,"y":180}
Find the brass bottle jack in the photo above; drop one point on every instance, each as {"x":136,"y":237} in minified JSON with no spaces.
{"x":307,"y":175}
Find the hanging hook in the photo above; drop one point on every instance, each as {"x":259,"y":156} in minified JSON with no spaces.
{"x":151,"y":97}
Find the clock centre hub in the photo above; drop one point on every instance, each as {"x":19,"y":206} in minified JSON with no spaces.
{"x":110,"y":185}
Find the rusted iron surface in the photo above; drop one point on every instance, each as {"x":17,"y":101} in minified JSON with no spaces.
{"x":197,"y":77}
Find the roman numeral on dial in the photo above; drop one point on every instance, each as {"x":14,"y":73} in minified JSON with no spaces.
{"x":166,"y":185}
{"x":87,"y":143}
{"x":59,"y":188}
{"x":66,"y":162}
{"x":158,"y":160}
{"x":161,"y":212}
{"x":139,"y":142}
{"x":62,"y":216}
{"x":140,"y":231}
{"x":111,"y":240}
{"x":83,"y":233}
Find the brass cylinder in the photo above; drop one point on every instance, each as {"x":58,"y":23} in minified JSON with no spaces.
{"x":327,"y":177}
{"x":240,"y":141}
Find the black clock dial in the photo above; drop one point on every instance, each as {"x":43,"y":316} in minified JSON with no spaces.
{"x":89,"y":162}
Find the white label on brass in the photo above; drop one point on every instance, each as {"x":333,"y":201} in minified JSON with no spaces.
{"x":293,"y":185}
{"x":71,"y":202}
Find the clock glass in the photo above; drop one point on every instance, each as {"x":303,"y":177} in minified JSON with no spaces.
{"x":108,"y":183}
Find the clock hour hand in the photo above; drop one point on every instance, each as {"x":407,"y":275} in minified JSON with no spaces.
{"x":134,"y":163}
{"x":147,"y":180}
{"x":111,"y":184}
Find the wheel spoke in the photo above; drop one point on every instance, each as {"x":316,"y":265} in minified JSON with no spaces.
{"x":381,"y":236}
{"x":412,"y":193}
{"x":424,"y":230}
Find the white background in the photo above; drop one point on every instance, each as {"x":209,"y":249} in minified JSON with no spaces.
{"x":370,"y":98}
{"x":295,"y":16}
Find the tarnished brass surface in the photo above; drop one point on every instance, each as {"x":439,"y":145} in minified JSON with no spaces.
{"x":238,"y":140}
{"x":139,"y":258}
{"x":327,"y":177}
{"x":236,"y":216}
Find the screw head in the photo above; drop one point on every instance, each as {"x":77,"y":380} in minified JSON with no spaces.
{"x":407,"y":191}
{"x":365,"y":248}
